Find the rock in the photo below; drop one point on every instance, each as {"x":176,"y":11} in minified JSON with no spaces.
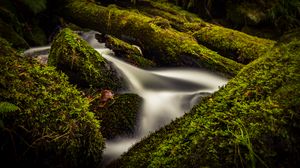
{"x":84,"y":66}
{"x":118,"y":115}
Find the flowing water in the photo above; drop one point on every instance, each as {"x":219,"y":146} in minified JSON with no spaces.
{"x":167,"y":94}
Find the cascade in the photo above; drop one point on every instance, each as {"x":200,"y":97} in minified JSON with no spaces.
{"x":167,"y":93}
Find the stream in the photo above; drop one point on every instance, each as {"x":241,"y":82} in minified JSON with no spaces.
{"x":168,"y":93}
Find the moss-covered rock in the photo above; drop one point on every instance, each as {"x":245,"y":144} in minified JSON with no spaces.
{"x":253,"y":121}
{"x":165,"y":46}
{"x":127,"y":52}
{"x":53,"y":126}
{"x":84,"y":65}
{"x":119,"y":115}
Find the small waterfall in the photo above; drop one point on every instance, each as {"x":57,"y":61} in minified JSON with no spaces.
{"x":167,"y":94}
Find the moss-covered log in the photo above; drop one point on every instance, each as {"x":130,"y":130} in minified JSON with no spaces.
{"x":84,"y":65}
{"x":119,"y":115}
{"x":165,"y":45}
{"x":53,"y":126}
{"x":127,"y":52}
{"x":253,"y":121}
{"x":233,"y":44}
{"x":230,"y":43}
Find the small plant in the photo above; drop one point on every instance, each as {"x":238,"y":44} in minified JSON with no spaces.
{"x":6,"y":107}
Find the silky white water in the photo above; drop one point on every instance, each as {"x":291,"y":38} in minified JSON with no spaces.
{"x":167,"y":94}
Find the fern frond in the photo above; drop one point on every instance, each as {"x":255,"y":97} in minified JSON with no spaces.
{"x":6,"y":107}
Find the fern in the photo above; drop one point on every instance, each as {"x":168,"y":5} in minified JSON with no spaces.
{"x":6,"y":107}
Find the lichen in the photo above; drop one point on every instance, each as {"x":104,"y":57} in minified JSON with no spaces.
{"x":54,"y":127}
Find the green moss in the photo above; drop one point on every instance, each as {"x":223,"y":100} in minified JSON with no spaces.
{"x":165,"y":46}
{"x":127,"y":52}
{"x":84,"y":65}
{"x":54,"y":127}
{"x":252,"y":121}
{"x":227,"y":42}
{"x":118,"y":116}
{"x":174,"y":14}
{"x":231,"y":43}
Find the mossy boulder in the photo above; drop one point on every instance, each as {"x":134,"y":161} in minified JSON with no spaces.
{"x":253,"y":121}
{"x":84,"y":65}
{"x":53,"y":126}
{"x":119,"y":115}
{"x":127,"y":52}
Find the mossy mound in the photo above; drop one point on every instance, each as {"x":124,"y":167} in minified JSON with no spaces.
{"x":84,"y":65}
{"x":253,"y":121}
{"x":127,"y":52}
{"x":119,"y":115}
{"x":53,"y":126}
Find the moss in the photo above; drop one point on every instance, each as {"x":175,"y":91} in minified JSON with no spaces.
{"x":252,"y":121}
{"x":166,"y":46}
{"x":174,"y":14}
{"x":127,"y":52}
{"x":118,"y":116}
{"x":54,"y":127}
{"x":84,"y":65}
{"x":231,"y":43}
